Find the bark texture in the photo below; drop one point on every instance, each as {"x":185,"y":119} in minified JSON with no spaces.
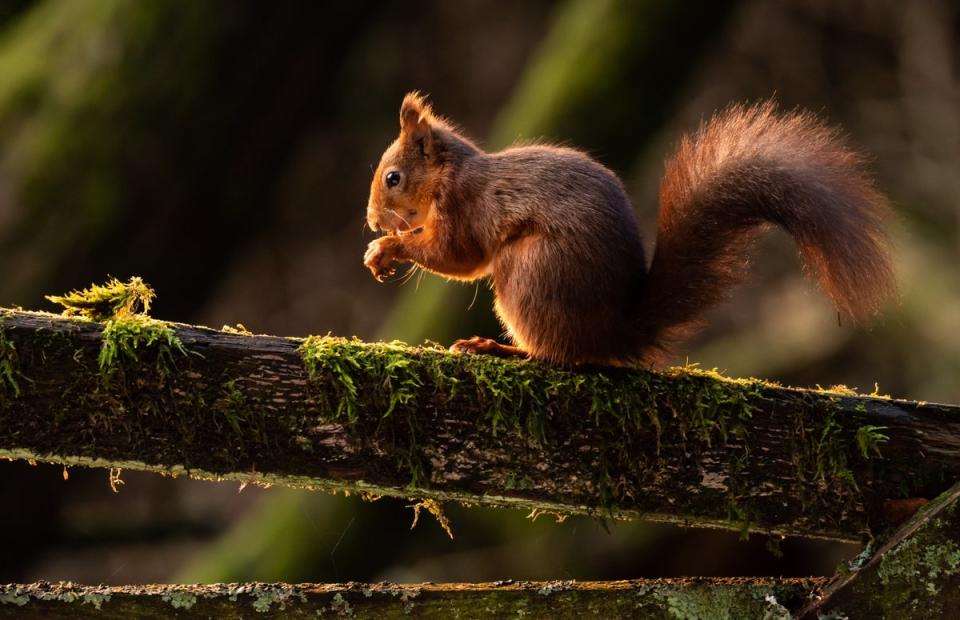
{"x":913,"y":574}
{"x":655,"y":598}
{"x":387,"y":419}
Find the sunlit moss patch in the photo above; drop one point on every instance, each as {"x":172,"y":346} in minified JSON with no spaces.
{"x":101,"y":302}
{"x":128,"y":333}
{"x":127,"y":339}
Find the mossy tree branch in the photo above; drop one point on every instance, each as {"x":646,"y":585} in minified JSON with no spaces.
{"x":385,"y":419}
{"x":654,"y":598}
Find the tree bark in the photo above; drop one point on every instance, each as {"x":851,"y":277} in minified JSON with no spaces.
{"x":384,"y":419}
{"x":653,"y":598}
{"x":915,"y":574}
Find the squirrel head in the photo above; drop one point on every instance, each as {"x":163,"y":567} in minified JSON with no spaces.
{"x":406,"y":181}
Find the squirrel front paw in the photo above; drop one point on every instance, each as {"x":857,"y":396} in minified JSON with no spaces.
{"x":382,"y":258}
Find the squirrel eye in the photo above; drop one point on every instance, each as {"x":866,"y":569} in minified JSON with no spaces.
{"x":393,"y":178}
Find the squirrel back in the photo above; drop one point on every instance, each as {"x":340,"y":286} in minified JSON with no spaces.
{"x":555,"y":231}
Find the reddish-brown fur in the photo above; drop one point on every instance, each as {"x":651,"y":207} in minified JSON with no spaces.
{"x":556,"y":232}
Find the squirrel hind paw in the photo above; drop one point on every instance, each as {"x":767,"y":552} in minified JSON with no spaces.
{"x":486,"y":346}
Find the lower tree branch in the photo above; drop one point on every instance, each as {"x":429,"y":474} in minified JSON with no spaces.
{"x":653,"y":598}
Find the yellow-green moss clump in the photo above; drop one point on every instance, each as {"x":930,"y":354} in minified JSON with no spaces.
{"x":101,"y":302}
{"x":128,"y":332}
{"x":125,"y":339}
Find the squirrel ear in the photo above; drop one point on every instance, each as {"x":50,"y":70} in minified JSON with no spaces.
{"x":415,"y":117}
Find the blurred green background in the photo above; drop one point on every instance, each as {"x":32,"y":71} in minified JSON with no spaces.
{"x":222,"y":150}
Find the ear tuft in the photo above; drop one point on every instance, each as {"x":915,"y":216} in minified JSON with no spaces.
{"x":413,"y":108}
{"x":416,"y":116}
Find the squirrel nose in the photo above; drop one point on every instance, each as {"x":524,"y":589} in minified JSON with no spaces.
{"x":373,"y":221}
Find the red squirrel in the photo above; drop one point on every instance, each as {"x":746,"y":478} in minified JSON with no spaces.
{"x":556,"y":232}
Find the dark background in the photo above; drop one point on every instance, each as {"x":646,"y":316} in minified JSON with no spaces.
{"x":222,"y":150}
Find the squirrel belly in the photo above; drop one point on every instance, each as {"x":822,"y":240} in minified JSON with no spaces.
{"x":556,"y":232}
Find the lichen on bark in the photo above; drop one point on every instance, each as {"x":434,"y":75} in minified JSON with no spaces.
{"x":914,"y":573}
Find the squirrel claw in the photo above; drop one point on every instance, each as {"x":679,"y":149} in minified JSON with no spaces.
{"x":379,"y":260}
{"x":382,"y":275}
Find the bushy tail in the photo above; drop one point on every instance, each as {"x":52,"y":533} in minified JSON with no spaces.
{"x":746,"y":167}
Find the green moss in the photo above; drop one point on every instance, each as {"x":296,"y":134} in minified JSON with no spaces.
{"x":101,"y":302}
{"x":738,"y":513}
{"x":9,"y":365}
{"x":628,"y":409}
{"x":128,"y":332}
{"x":869,"y":438}
{"x":719,"y":412}
{"x":319,"y":357}
{"x":400,"y":385}
{"x":831,"y":450}
{"x":391,"y":371}
{"x":230,"y":404}
{"x":127,"y":339}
